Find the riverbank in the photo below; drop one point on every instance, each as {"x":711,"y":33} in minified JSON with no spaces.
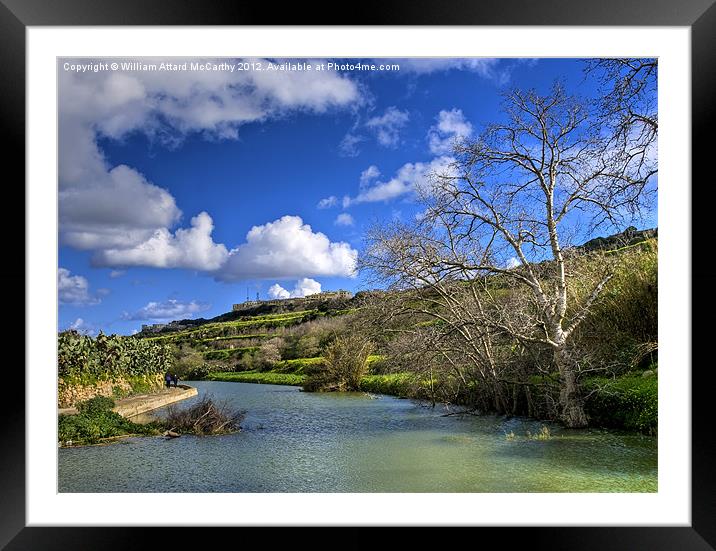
{"x":135,"y":407}
{"x":96,"y":420}
{"x":628,"y":402}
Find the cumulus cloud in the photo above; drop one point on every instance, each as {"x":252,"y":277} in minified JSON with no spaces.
{"x":167,"y":310}
{"x":407,"y":180}
{"x":304,"y":287}
{"x":287,"y":248}
{"x":74,"y":289}
{"x":387,"y":126}
{"x":451,"y":126}
{"x":191,"y":248}
{"x":368,"y":175}
{"x":115,"y":209}
{"x":328,"y":202}
{"x":344,"y":219}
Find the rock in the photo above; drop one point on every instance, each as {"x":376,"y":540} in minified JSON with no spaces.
{"x":648,"y":373}
{"x":171,"y":434}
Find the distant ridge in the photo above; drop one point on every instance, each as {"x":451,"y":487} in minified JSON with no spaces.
{"x":629,"y":236}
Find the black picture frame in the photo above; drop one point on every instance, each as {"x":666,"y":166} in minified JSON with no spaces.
{"x":699,"y":15}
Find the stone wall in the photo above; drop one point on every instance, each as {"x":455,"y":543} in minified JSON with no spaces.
{"x":69,"y":394}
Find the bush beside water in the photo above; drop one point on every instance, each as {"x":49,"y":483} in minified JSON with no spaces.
{"x":95,"y":422}
{"x":629,"y":402}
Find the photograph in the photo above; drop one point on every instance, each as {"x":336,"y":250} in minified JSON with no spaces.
{"x":357,"y":275}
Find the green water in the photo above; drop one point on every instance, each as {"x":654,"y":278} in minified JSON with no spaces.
{"x":302,"y":442}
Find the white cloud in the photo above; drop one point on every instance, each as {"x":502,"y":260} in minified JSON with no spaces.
{"x":328,"y":202}
{"x":287,"y":248}
{"x":368,"y":175}
{"x":115,"y":208}
{"x":409,"y":179}
{"x":73,"y":289}
{"x":512,"y":262}
{"x":451,"y":126}
{"x":344,"y":219}
{"x":349,"y":145}
{"x":191,"y":248}
{"x":170,"y":309}
{"x":387,"y":127}
{"x":82,"y":327}
{"x":276,"y":292}
{"x":116,"y":273}
{"x":304,"y":287}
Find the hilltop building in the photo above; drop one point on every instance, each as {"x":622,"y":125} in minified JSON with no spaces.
{"x":303,"y":301}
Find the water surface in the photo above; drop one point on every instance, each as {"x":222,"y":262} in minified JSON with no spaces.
{"x":304,"y":442}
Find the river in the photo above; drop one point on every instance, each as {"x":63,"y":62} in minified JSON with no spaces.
{"x":294,"y":441}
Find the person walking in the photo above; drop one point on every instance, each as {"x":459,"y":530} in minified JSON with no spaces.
{"x":175,"y":379}
{"x":168,"y":379}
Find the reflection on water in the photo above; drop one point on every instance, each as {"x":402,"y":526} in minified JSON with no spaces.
{"x":301,"y":442}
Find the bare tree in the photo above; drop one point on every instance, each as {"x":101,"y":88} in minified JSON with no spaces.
{"x":627,"y":103}
{"x":505,"y":214}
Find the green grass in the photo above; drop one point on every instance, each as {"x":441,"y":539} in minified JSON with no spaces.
{"x":395,"y":384}
{"x":298,"y":366}
{"x":96,"y":422}
{"x":261,"y":377}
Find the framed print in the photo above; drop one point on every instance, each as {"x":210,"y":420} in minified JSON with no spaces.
{"x":403,"y":272}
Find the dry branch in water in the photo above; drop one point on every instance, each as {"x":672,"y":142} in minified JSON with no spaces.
{"x":205,"y":417}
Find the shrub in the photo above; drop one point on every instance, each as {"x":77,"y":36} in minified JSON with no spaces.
{"x":96,"y":405}
{"x":198,"y":373}
{"x":268,"y":354}
{"x":345,"y":363}
{"x":203,"y":418}
{"x":96,"y":421}
{"x":629,"y":402}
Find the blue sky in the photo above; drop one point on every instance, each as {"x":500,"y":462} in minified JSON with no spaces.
{"x":163,"y":175}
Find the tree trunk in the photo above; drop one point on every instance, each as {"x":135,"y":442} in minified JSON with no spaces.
{"x":570,"y":398}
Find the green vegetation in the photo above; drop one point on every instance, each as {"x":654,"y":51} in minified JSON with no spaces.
{"x":345,"y":361}
{"x":395,"y":384}
{"x":96,"y":422}
{"x":108,"y":357}
{"x":263,"y":377}
{"x":228,"y":353}
{"x":629,"y":401}
{"x":299,"y":366}
{"x":232,"y":329}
